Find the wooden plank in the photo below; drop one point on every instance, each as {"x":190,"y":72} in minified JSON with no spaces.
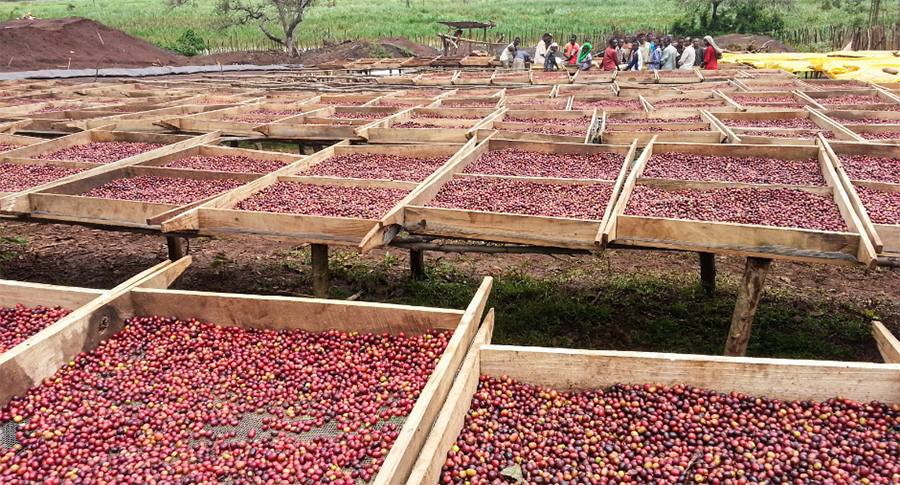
{"x":514,"y":228}
{"x":288,"y":313}
{"x":443,"y":435}
{"x":397,"y":466}
{"x":722,"y":235}
{"x":314,"y":229}
{"x":163,"y":278}
{"x":82,"y":330}
{"x":107,"y":211}
{"x":19,"y":203}
{"x":888,"y":345}
{"x":190,"y":220}
{"x":787,"y":380}
{"x":38,"y":294}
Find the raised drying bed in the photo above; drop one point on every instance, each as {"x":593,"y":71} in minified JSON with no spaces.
{"x":699,"y":129}
{"x":871,"y":173}
{"x":564,"y":373}
{"x":428,"y":125}
{"x":328,"y":209}
{"x":800,"y":127}
{"x":39,"y":154}
{"x":794,"y":222}
{"x":253,"y":321}
{"x":512,"y":209}
{"x":329,"y":123}
{"x":542,"y":125}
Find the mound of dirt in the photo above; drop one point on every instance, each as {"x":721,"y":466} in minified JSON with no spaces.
{"x":80,"y":43}
{"x":751,"y":43}
{"x":75,"y":42}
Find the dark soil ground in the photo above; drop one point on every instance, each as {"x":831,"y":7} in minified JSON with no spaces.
{"x":625,"y":300}
{"x":80,"y":43}
{"x":748,"y":42}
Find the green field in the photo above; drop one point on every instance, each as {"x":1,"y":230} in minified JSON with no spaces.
{"x":373,"y":19}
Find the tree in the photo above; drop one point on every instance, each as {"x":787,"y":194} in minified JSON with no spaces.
{"x":715,"y":17}
{"x":286,"y":13}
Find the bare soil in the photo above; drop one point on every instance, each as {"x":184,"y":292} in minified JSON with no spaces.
{"x":747,"y":42}
{"x":79,"y":256}
{"x":80,"y":43}
{"x":76,"y":43}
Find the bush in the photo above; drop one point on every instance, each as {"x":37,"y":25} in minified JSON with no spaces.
{"x":189,"y":44}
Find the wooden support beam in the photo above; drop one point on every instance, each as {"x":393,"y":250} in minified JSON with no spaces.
{"x":176,"y":247}
{"x":320,"y":281}
{"x":888,"y":345}
{"x":417,"y":264}
{"x":708,"y":272}
{"x":749,"y":292}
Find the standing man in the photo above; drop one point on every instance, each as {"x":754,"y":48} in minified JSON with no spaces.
{"x":620,"y":52}
{"x":540,"y":52}
{"x":506,"y":57}
{"x":699,"y":52}
{"x":571,"y":50}
{"x":610,"y":57}
{"x":644,"y":47}
{"x":669,"y":56}
{"x":688,"y":57}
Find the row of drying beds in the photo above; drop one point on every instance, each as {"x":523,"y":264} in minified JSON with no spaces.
{"x":425,"y":204}
{"x":431,"y":428}
{"x":537,"y":75}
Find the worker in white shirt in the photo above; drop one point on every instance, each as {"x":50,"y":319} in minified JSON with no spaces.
{"x":688,"y":55}
{"x":543,"y":47}
{"x":509,"y":53}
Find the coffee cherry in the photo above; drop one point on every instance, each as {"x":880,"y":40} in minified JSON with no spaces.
{"x":377,"y":166}
{"x":227,"y":163}
{"x":100,"y":152}
{"x":647,"y":433}
{"x":162,"y":190}
{"x":686,"y":166}
{"x":882,"y":207}
{"x":18,"y":323}
{"x":181,"y":401}
{"x":514,"y":162}
{"x":576,"y":201}
{"x":861,"y":167}
{"x":16,"y":176}
{"x":324,"y":200}
{"x":765,"y":207}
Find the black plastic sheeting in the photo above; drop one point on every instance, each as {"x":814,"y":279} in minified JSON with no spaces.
{"x":147,"y":71}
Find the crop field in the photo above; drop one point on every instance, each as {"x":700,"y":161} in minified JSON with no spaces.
{"x":340,"y":20}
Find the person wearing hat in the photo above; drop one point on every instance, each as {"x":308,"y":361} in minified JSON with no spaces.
{"x":552,"y":61}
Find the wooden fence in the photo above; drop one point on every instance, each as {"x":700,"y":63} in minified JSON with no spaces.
{"x":878,"y":37}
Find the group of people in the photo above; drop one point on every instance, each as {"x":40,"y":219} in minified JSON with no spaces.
{"x":642,"y":51}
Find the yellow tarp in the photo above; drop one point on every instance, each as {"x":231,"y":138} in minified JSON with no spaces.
{"x":861,"y":65}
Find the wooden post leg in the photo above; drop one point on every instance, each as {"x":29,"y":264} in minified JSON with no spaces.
{"x":708,"y":272}
{"x":235,"y":144}
{"x":176,"y":248}
{"x":747,"y":300}
{"x":320,"y":283}
{"x":417,"y":264}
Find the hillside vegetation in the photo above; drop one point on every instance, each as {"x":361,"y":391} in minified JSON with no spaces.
{"x":338,"y":20}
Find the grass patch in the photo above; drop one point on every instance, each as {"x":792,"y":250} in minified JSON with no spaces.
{"x":644,"y":312}
{"x":374,"y":19}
